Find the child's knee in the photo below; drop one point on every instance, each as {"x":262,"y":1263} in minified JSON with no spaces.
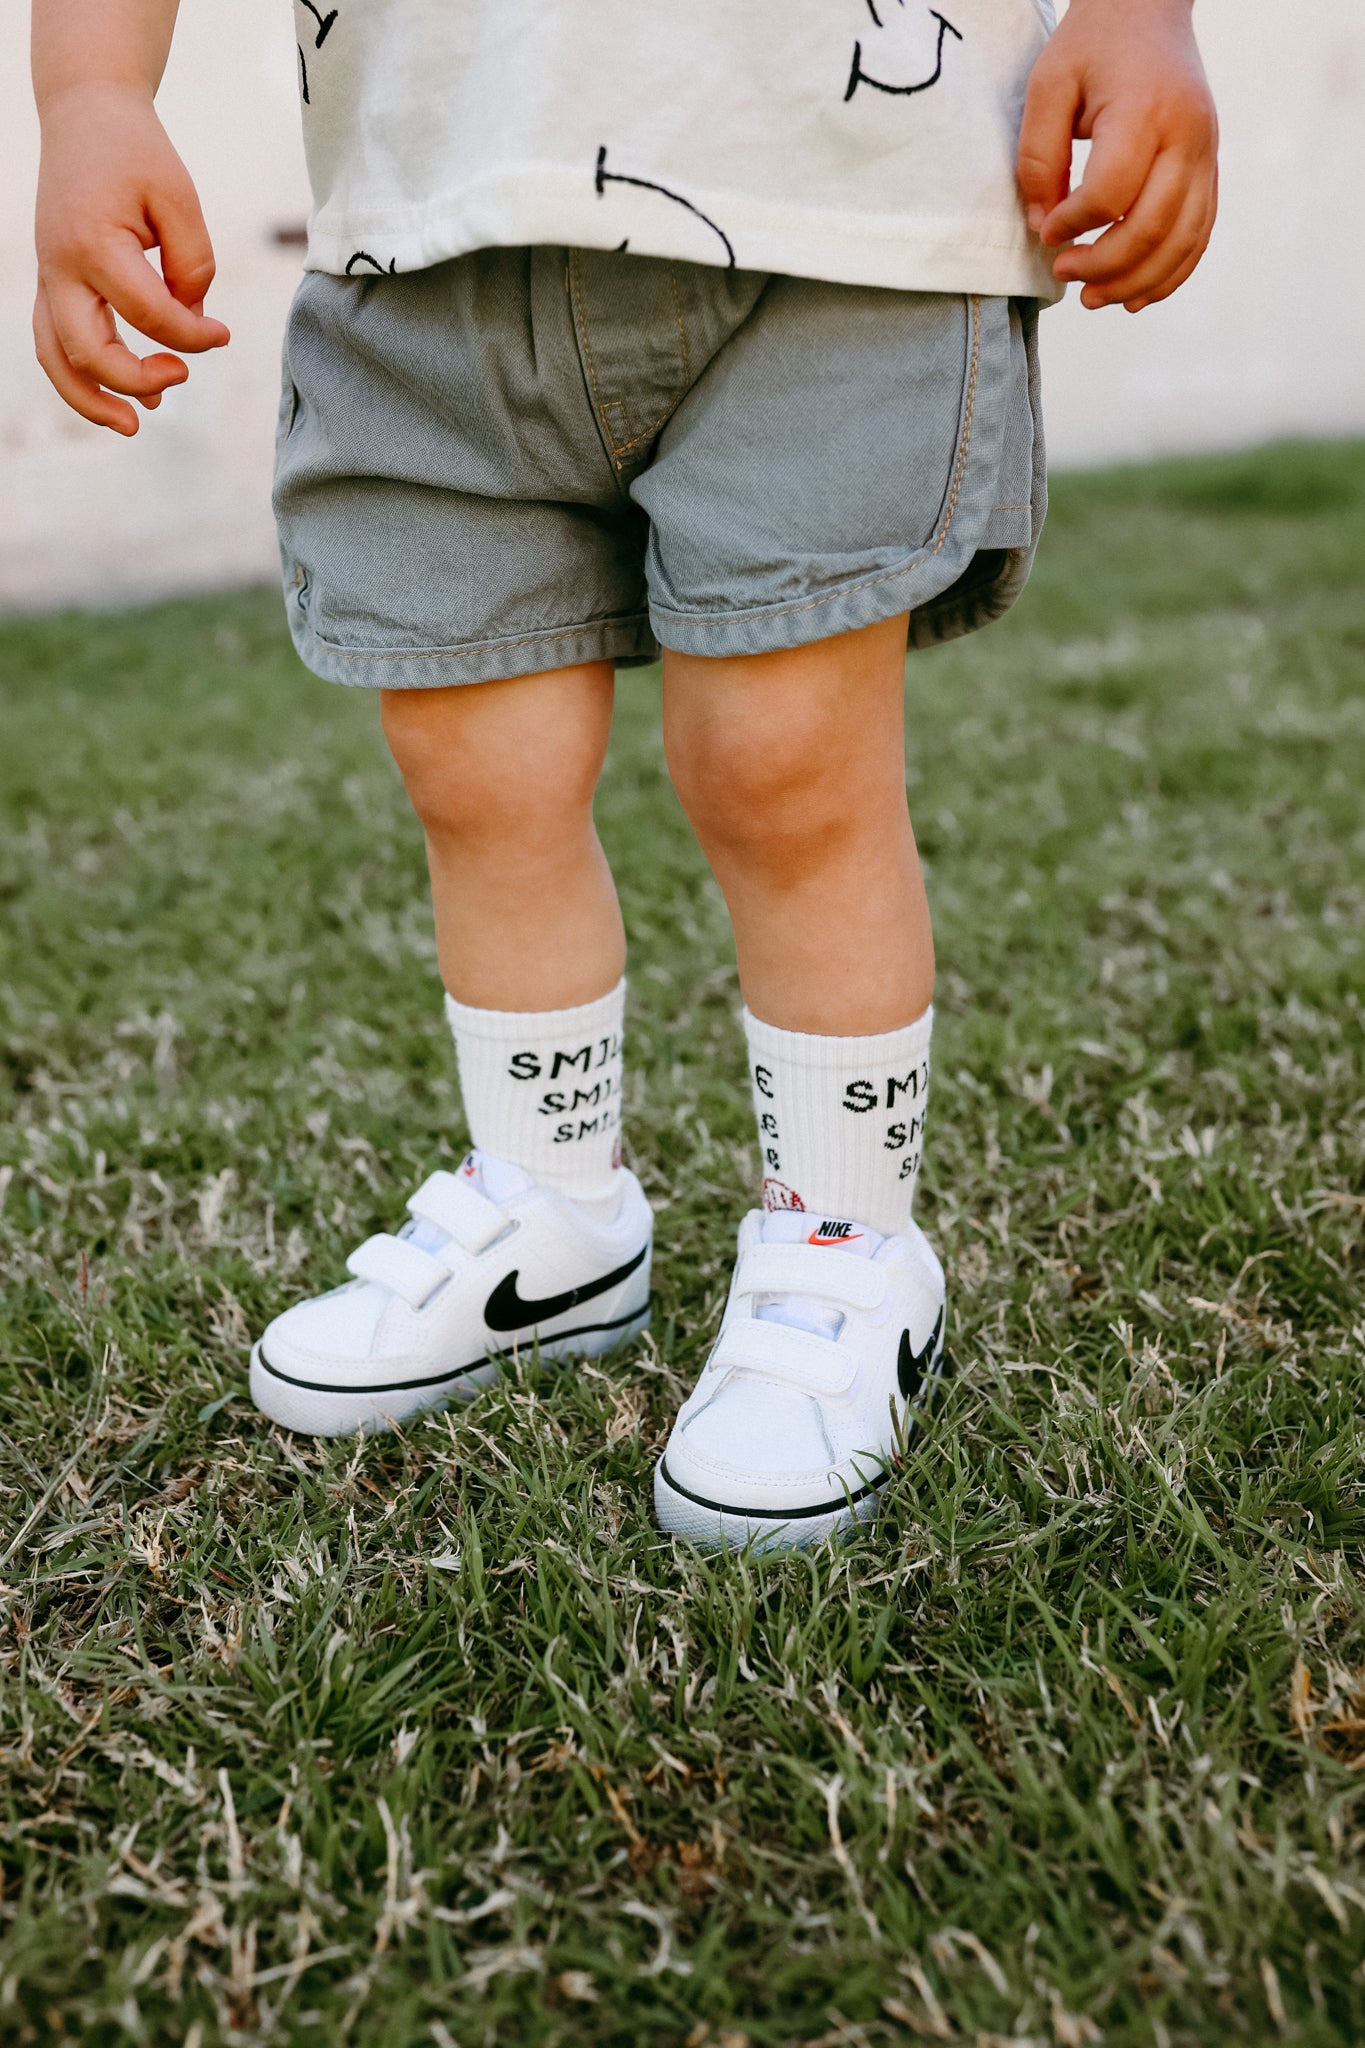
{"x":468,"y":777}
{"x":759,"y":779}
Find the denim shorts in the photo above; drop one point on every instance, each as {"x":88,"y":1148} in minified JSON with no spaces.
{"x":528,"y":458}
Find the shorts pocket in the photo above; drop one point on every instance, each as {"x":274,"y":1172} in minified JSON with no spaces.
{"x":838,"y":464}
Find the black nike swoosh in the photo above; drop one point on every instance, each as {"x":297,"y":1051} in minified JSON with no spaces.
{"x":505,"y":1309}
{"x":911,"y":1366}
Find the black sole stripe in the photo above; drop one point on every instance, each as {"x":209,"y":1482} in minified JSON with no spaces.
{"x":461,"y":1372}
{"x":721,"y":1507}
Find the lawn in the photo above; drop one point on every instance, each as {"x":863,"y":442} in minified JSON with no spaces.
{"x":435,"y":1739}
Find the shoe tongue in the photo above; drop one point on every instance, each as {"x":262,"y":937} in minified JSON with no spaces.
{"x":789,"y":1226}
{"x":496,"y":1178}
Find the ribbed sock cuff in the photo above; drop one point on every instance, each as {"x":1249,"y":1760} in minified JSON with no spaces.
{"x":841,"y":1120}
{"x":543,"y":1087}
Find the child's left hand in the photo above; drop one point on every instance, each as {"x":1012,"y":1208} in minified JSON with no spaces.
{"x":1126,"y":75}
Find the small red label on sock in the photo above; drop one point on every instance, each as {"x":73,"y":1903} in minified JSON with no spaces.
{"x":777,"y":1195}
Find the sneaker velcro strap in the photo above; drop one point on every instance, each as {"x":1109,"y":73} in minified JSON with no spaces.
{"x":459,"y":1210}
{"x":405,"y":1269}
{"x":780,"y":1352}
{"x":807,"y":1269}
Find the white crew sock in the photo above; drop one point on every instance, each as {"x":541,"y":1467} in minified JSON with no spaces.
{"x":841,"y":1120}
{"x":542,"y":1088}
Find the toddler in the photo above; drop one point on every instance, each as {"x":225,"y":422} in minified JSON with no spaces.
{"x":704,"y":332}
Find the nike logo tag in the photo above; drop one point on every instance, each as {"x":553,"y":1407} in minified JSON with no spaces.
{"x":505,"y":1309}
{"x":911,"y":1366}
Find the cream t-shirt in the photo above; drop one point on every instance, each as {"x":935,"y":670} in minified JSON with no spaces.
{"x":861,"y":141}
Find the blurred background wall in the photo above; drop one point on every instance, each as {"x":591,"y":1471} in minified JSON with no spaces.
{"x":1268,"y":338}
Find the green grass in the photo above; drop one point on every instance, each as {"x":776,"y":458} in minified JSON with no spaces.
{"x":436,"y":1739}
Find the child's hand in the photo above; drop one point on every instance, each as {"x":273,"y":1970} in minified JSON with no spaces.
{"x":111,"y":187}
{"x":1127,"y":75}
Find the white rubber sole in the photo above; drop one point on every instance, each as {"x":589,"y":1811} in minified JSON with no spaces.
{"x":314,"y":1410}
{"x":716,"y":1525}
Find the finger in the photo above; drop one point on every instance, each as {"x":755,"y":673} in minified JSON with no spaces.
{"x":1149,"y":221}
{"x":121,"y":273}
{"x":79,"y":389}
{"x":1184,"y":245}
{"x":1157,"y":276}
{"x":187,"y":263}
{"x":1169,"y":285}
{"x":1120,"y":161}
{"x":91,"y":343}
{"x":1134,"y":303}
{"x":1185,"y":253}
{"x":1043,"y":160}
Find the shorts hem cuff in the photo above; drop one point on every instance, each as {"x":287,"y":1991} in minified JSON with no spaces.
{"x":488,"y":661}
{"x":771,"y":629}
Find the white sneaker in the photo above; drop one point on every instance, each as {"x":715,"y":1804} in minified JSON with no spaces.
{"x":831,"y":1344}
{"x":490,"y":1263}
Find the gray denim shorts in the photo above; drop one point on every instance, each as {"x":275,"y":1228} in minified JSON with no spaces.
{"x":526,"y":458}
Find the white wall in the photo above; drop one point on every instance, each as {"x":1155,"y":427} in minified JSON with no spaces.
{"x":86,"y":516}
{"x":1268,"y":338}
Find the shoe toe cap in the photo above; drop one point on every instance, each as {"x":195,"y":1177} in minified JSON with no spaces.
{"x":758,"y":1428}
{"x":329,"y":1333}
{"x":759,"y":1449}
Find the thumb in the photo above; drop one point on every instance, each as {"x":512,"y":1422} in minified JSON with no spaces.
{"x":1051,"y":106}
{"x":186,"y":252}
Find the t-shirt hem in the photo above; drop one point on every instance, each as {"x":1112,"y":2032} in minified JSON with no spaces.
{"x":990,"y":254}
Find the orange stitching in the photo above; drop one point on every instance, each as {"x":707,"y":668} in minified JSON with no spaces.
{"x":682,"y":333}
{"x":607,"y":408}
{"x":602,"y":403}
{"x":964,"y":445}
{"x":582,"y":317}
{"x":476,"y":646}
{"x":624,"y":447}
{"x":618,"y":448}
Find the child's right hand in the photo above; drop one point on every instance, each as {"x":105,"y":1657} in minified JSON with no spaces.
{"x":1124,"y":75}
{"x":111,"y":187}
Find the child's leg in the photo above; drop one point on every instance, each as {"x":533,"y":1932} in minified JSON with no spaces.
{"x":528,"y":927}
{"x":502,"y":777}
{"x":791,"y":767}
{"x":541,"y":1238}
